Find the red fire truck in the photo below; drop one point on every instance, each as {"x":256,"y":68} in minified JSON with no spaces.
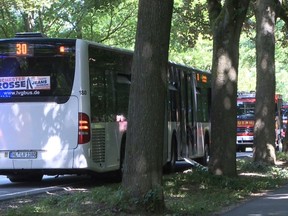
{"x":246,"y":119}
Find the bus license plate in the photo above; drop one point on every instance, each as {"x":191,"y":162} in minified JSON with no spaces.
{"x":23,"y":154}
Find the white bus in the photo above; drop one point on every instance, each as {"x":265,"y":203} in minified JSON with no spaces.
{"x":63,"y":108}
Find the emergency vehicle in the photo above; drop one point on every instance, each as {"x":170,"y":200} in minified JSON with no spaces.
{"x":246,"y":119}
{"x":284,"y":114}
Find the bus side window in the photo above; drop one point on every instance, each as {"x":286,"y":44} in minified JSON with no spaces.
{"x":97,"y":91}
{"x":122,"y":89}
{"x":102,"y":85}
{"x":203,"y":104}
{"x":110,"y":91}
{"x":109,"y":84}
{"x":97,"y":109}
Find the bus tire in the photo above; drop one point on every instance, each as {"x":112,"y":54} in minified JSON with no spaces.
{"x":119,"y":172}
{"x":170,"y":167}
{"x":204,"y":159}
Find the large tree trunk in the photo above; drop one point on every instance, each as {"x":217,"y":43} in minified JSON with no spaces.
{"x":264,"y":129}
{"x":226,"y":22}
{"x":142,"y":177}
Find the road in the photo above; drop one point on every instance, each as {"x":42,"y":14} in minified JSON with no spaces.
{"x":248,"y":153}
{"x":10,"y":190}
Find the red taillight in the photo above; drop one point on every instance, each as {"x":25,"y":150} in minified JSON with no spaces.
{"x":83,"y":128}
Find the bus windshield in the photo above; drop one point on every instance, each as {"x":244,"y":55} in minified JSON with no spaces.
{"x":33,"y":70}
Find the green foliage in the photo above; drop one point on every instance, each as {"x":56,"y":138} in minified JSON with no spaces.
{"x":199,"y":57}
{"x":264,"y":169}
{"x":117,"y":195}
{"x":202,"y":192}
{"x":282,"y":156}
{"x":115,"y":26}
{"x":100,"y":21}
{"x":114,"y":23}
{"x":190,"y":22}
{"x":194,"y":192}
{"x":247,"y":61}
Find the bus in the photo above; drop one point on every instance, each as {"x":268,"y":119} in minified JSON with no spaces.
{"x":64,"y":105}
{"x":246,"y":118}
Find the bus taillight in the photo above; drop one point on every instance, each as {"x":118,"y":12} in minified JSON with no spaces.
{"x":83,"y":128}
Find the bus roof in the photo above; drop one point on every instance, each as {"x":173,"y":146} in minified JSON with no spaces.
{"x":37,"y":36}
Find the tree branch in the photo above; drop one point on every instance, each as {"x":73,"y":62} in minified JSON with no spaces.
{"x":281,"y":11}
{"x":214,"y":9}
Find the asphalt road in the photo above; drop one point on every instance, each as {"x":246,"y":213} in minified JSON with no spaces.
{"x":244,"y":154}
{"x":10,"y":190}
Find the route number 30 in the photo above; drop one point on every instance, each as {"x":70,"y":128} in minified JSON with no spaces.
{"x":21,"y":49}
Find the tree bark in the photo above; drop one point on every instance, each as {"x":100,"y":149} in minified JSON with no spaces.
{"x":264,"y":129}
{"x":226,"y":23}
{"x":28,"y":21}
{"x":142,"y":177}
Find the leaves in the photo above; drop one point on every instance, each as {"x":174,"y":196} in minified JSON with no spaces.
{"x":113,"y":22}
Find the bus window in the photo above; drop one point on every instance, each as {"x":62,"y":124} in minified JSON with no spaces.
{"x":43,"y":73}
{"x":203,"y":104}
{"x":109,"y":95}
{"x":122,"y":89}
{"x":9,"y":67}
{"x":174,"y":94}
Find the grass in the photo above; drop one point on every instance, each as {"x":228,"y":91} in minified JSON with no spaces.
{"x":194,"y":192}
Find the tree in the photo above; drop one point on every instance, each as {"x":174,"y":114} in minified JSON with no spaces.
{"x":264,"y":129}
{"x":7,"y":19}
{"x":107,"y":21}
{"x":266,"y":12}
{"x":31,"y":13}
{"x":190,"y":22}
{"x":142,"y":171}
{"x":226,"y":23}
{"x":190,"y":39}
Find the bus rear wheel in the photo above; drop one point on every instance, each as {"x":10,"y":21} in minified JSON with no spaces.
{"x":170,"y":167}
{"x":205,"y":158}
